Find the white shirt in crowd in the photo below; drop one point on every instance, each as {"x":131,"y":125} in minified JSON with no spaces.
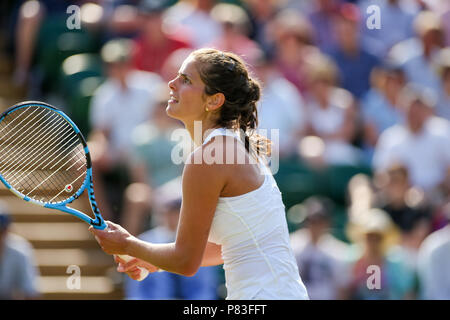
{"x":282,"y":108}
{"x":324,"y":266}
{"x":198,"y":26}
{"x":426,"y":155}
{"x":330,"y":120}
{"x":120,"y":111}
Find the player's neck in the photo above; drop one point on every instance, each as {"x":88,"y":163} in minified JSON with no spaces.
{"x":197,"y":130}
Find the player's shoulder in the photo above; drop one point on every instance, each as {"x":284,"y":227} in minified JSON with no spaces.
{"x":217,"y":157}
{"x":214,"y":151}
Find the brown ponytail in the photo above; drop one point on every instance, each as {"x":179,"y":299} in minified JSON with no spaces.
{"x":226,"y":73}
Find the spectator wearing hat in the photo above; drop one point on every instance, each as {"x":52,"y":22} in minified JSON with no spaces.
{"x":418,"y":64}
{"x":236,"y":28}
{"x":293,"y":37}
{"x":18,"y":272}
{"x":380,"y":108}
{"x":165,"y":285}
{"x":330,"y":112}
{"x":122,"y":102}
{"x":154,"y":44}
{"x":321,"y":258}
{"x":375,"y":274}
{"x":421,"y":144}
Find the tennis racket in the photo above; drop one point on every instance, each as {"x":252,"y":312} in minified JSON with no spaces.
{"x":44,"y":160}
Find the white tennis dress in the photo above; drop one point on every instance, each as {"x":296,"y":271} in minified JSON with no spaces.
{"x":252,"y":230}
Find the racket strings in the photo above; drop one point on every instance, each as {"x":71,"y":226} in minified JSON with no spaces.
{"x":41,"y":155}
{"x":14,"y":158}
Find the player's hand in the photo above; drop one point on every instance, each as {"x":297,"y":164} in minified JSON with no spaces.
{"x":131,"y":268}
{"x":113,"y":239}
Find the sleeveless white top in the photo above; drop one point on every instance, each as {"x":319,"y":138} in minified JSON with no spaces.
{"x":251,"y":228}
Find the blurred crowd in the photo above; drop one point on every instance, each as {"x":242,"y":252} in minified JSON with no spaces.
{"x":359,"y":91}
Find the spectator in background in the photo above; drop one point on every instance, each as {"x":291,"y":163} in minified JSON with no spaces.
{"x":321,"y":258}
{"x":418,"y":63}
{"x":445,"y":19}
{"x":354,"y":60}
{"x":169,"y":70}
{"x":293,"y":38}
{"x":321,"y":17}
{"x":192,"y":19}
{"x":281,"y":107}
{"x":434,"y":263}
{"x":261,"y":14}
{"x":121,"y":103}
{"x":30,"y":19}
{"x":409,"y":211}
{"x":18,"y":272}
{"x":330,"y":111}
{"x":236,"y":28}
{"x":380,"y":108}
{"x":151,"y":164}
{"x":405,"y":205}
{"x":373,"y":235}
{"x":165,"y":285}
{"x":154,"y":44}
{"x":421,"y":145}
{"x":396,"y":23}
{"x":443,"y":68}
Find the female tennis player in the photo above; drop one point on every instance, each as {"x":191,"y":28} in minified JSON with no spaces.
{"x":231,"y":214}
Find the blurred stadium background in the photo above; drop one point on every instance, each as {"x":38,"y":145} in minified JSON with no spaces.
{"x":335,"y":89}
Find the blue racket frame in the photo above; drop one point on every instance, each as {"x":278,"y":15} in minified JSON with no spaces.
{"x":98,"y":222}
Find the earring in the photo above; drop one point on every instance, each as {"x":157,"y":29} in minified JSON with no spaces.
{"x":207,"y":110}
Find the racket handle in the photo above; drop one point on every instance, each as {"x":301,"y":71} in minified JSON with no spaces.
{"x":144,"y":272}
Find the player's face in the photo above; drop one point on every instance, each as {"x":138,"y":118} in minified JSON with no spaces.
{"x":187,"y":100}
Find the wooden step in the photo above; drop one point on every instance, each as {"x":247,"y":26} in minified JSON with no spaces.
{"x":55,"y":235}
{"x":50,"y":217}
{"x":23,"y":211}
{"x":92,"y":262}
{"x":91,"y":287}
{"x":114,"y":295}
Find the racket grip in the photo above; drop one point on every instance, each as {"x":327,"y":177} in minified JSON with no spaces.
{"x":144,"y":272}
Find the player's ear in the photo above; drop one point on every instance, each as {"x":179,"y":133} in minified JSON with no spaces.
{"x":215,"y":101}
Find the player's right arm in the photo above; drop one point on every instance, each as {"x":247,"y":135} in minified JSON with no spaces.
{"x":202,"y":184}
{"x":211,"y":257}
